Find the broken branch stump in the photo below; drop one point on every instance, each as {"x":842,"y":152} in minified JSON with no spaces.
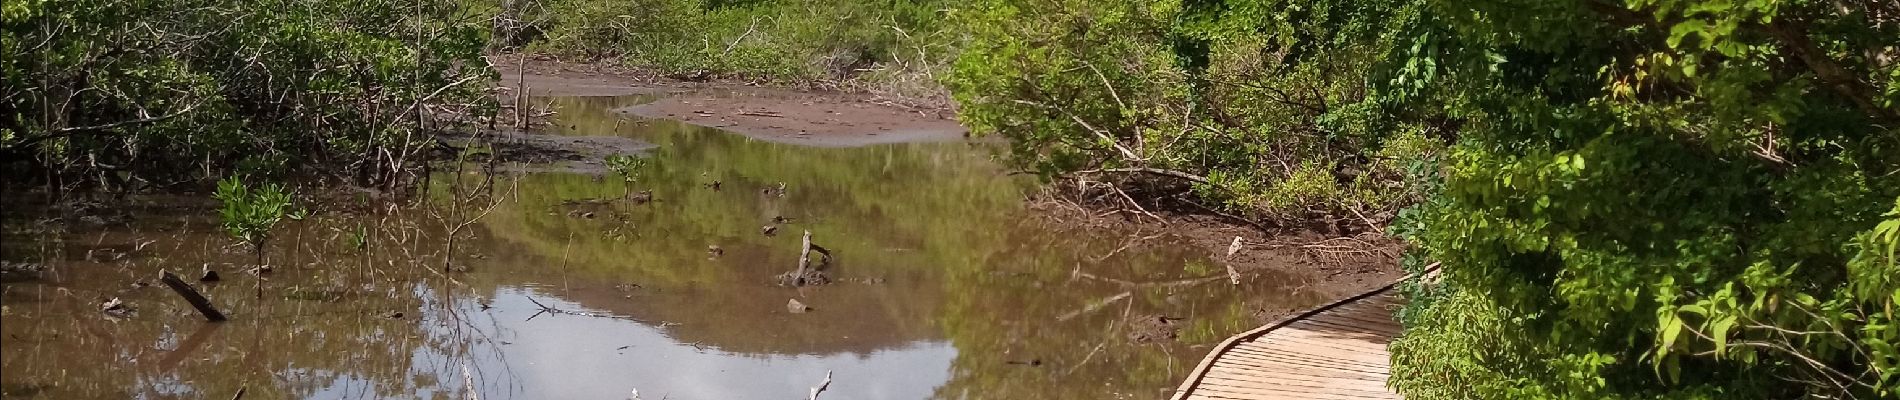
{"x":192,"y":296}
{"x":815,"y":390}
{"x":804,"y":261}
{"x":805,"y":272}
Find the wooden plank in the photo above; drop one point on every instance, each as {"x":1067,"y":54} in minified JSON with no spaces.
{"x":1309,"y":387}
{"x":1296,"y":372}
{"x":1306,"y":342}
{"x":1288,"y":371}
{"x":1345,"y":327}
{"x":1365,"y":320}
{"x":1307,"y":363}
{"x":1321,"y":354}
{"x":1320,"y":324}
{"x":1378,"y":319}
{"x":1337,"y":351}
{"x":1379,"y":316}
{"x":1308,"y":359}
{"x":1285,"y":393}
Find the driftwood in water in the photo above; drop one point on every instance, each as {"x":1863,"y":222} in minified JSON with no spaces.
{"x":821,"y":387}
{"x":808,"y":274}
{"x":192,"y":296}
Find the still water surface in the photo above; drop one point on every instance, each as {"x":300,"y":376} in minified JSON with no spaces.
{"x":947,"y":288}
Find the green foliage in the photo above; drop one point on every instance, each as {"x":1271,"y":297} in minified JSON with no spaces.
{"x":1636,"y":199}
{"x":358,"y":239}
{"x":1073,"y":84}
{"x":628,"y":167}
{"x":1671,"y":199}
{"x":1271,"y":101}
{"x":250,"y":213}
{"x":178,"y":90}
{"x":789,"y":40}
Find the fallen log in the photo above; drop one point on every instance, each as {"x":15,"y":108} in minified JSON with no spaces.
{"x":192,"y":296}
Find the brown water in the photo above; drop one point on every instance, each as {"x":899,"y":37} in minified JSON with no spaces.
{"x":947,"y":289}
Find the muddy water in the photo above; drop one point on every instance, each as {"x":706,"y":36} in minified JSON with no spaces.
{"x":945,"y":288}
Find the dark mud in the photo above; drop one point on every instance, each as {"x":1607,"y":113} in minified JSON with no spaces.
{"x":535,"y":152}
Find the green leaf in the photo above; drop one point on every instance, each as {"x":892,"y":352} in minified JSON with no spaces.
{"x":1671,"y":328}
{"x":1683,"y":29}
{"x":1719,"y":330}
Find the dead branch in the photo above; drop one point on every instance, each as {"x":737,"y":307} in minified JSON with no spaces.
{"x":1151,"y":171}
{"x":1125,"y":246}
{"x":1126,"y":153}
{"x":546,"y":309}
{"x":192,"y":296}
{"x":1839,"y":380}
{"x":1093,"y":306}
{"x":805,"y":268}
{"x":1077,"y":272}
{"x":66,"y":132}
{"x":735,"y":42}
{"x":1369,"y":222}
{"x":1137,"y":205}
{"x":821,"y":387}
{"x":1110,"y":87}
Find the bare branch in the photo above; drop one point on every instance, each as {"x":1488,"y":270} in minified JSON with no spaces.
{"x":66,"y":132}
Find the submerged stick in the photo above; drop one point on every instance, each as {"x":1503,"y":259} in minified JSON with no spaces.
{"x":192,"y":296}
{"x":821,"y":386}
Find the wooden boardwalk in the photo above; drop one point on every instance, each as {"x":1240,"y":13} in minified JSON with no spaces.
{"x":1334,"y":352}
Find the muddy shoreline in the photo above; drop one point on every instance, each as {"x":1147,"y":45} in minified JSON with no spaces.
{"x":798,"y":116}
{"x":1336,"y":264}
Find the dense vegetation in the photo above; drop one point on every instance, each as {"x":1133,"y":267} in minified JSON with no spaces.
{"x":1269,"y":112}
{"x":1674,"y":199}
{"x":129,"y":93}
{"x":1661,"y":199}
{"x":887,"y":45}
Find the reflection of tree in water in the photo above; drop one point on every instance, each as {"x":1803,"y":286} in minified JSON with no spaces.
{"x":896,"y":214}
{"x":327,"y":330}
{"x":1050,"y":324}
{"x":970,"y":266}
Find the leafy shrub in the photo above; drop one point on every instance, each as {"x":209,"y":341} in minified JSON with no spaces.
{"x":1656,"y":199}
{"x":249,"y":213}
{"x":1272,"y":102}
{"x":168,"y":90}
{"x":789,"y":40}
{"x":1629,"y":199}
